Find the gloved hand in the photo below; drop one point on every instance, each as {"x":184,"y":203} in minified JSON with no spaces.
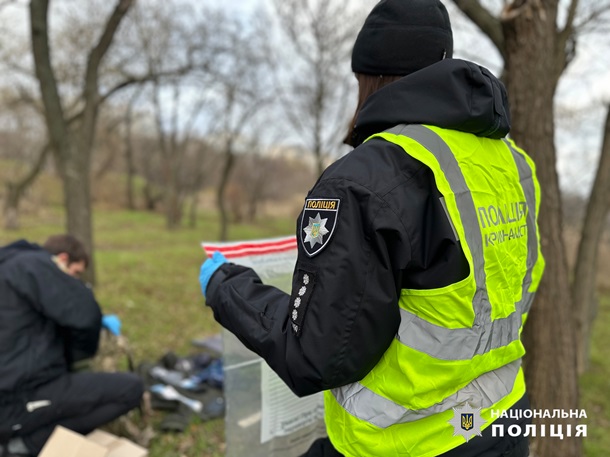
{"x":208,"y":268}
{"x":112,"y":323}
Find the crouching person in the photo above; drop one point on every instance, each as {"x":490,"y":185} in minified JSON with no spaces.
{"x":49,"y":322}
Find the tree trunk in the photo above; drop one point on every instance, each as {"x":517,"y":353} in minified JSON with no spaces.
{"x":15,"y":190}
{"x":75,"y":179}
{"x":173,"y":206}
{"x":193,"y":210}
{"x":585,"y":284}
{"x":151,"y":198}
{"x":253,"y":208}
{"x":318,"y":113}
{"x":532,"y":75}
{"x":222,"y":187}
{"x":131,"y":170}
{"x":73,"y":149}
{"x":11,"y":207}
{"x":171,"y":192}
{"x":77,"y":200}
{"x":128,"y":142}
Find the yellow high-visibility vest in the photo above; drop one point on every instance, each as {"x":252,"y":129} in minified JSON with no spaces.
{"x":460,"y":344}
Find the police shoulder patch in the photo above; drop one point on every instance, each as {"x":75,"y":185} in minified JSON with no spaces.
{"x":318,"y":223}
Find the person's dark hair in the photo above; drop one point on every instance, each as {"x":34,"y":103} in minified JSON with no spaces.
{"x":367,"y":86}
{"x":57,"y":244}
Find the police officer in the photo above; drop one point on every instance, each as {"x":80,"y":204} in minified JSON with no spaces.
{"x":50,"y":326}
{"x":418,"y":258}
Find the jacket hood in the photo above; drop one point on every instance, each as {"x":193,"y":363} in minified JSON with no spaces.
{"x":453,"y":94}
{"x":11,"y":250}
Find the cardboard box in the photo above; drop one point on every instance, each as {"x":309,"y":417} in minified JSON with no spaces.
{"x":66,"y":443}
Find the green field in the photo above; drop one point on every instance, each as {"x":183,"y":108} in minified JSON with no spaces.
{"x":149,"y":277}
{"x":595,"y":386}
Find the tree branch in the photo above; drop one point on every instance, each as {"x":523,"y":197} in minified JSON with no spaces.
{"x":22,"y":184}
{"x":54,"y":114}
{"x":584,"y":285}
{"x":572,"y":9}
{"x":148,"y":77}
{"x":16,"y":189}
{"x":23,"y":72}
{"x":159,"y":121}
{"x":484,"y":20}
{"x":566,"y":40}
{"x":24,"y":97}
{"x":91,"y":86}
{"x":590,"y":18}
{"x":99,"y":51}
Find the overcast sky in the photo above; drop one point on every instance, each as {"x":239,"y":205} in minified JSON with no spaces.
{"x":582,"y":91}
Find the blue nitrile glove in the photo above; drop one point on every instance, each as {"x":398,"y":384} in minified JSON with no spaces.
{"x":112,"y":323}
{"x":208,"y":268}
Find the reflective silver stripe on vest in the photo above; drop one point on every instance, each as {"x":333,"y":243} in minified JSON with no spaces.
{"x":485,"y":335}
{"x":456,"y":343}
{"x":451,"y":169}
{"x":483,"y":392}
{"x":527,"y":182}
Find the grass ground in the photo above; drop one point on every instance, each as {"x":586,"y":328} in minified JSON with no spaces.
{"x":148,"y":276}
{"x":595,"y":386}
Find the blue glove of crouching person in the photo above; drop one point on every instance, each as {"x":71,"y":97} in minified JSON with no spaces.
{"x":208,"y":268}
{"x":112,"y":323}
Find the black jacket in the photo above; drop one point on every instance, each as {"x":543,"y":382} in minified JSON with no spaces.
{"x":48,"y":320}
{"x":391,"y":232}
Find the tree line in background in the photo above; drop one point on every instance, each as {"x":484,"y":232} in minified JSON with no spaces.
{"x":205,"y":88}
{"x":191,"y":97}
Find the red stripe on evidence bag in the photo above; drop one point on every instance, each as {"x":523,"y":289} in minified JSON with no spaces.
{"x":247,"y":249}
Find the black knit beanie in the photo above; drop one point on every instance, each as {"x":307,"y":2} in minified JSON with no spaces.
{"x":400,"y":37}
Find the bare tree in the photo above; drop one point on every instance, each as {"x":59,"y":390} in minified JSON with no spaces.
{"x":22,"y":115}
{"x":149,"y":167}
{"x":71,"y":111}
{"x":322,"y":33}
{"x":16,"y":189}
{"x":173,"y":142}
{"x":241,"y":76}
{"x":179,"y":35}
{"x":73,"y":146}
{"x":584,"y":282}
{"x":22,"y":147}
{"x":106,"y":149}
{"x":201,"y":164}
{"x":536,"y":51}
{"x":252,"y":179}
{"x":128,"y":149}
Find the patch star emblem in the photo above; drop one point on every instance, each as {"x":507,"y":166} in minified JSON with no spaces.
{"x":321,"y":216}
{"x":315,"y":231}
{"x":467,"y":421}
